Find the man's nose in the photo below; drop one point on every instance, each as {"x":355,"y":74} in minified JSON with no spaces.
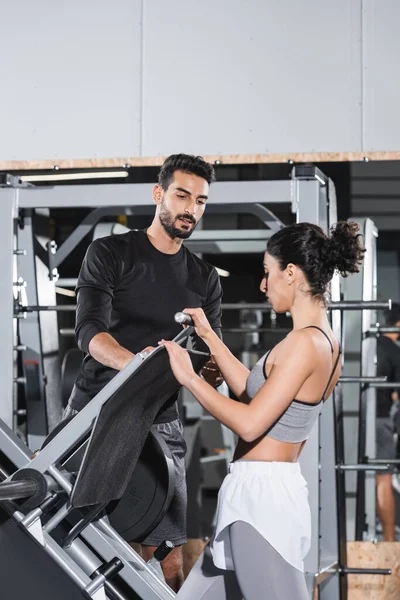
{"x":191,"y":208}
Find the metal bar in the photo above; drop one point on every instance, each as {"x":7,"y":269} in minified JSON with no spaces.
{"x":213,"y":458}
{"x":67,"y":282}
{"x":369,"y":380}
{"x":87,"y":561}
{"x":363,"y":467}
{"x":361,"y":305}
{"x":13,"y":490}
{"x":258,"y":210}
{"x":255,"y":330}
{"x":60,"y":557}
{"x":67,"y":332}
{"x":355,"y":571}
{"x":61,"y":479}
{"x":140,"y":194}
{"x":228,"y":246}
{"x":55,"y":307}
{"x":56,"y":519}
{"x":369,"y":305}
{"x":309,"y":172}
{"x":384,"y":330}
{"x":9,"y":207}
{"x":341,"y":305}
{"x":12,"y":446}
{"x":3,"y":474}
{"x":80,"y":526}
{"x":326,"y":572}
{"x":385,"y":461}
{"x":387,"y":385}
{"x":81,"y":232}
{"x":220,"y":235}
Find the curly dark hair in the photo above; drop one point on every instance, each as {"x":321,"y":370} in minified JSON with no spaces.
{"x":193,"y":165}
{"x":318,"y":255}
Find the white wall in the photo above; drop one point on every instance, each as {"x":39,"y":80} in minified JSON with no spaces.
{"x":381,"y":75}
{"x":95,"y":78}
{"x":71,"y":78}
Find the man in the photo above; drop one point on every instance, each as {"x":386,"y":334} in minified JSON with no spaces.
{"x":388,"y":364}
{"x":129,"y":288}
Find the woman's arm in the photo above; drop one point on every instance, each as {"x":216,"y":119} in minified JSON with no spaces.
{"x":233,"y":371}
{"x":294,"y":364}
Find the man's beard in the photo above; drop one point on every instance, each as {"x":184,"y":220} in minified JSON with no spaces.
{"x":167,"y":220}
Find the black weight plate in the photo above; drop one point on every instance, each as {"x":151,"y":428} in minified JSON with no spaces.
{"x":41,"y":488}
{"x":148,"y":494}
{"x":69,"y":370}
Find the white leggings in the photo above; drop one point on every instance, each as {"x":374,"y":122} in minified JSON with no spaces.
{"x":260,"y":572}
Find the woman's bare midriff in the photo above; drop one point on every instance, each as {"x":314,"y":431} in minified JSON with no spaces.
{"x":268,"y":450}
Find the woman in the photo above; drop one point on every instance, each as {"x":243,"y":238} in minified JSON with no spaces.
{"x":263,"y":518}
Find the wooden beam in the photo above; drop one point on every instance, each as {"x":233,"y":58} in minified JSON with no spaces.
{"x":226,"y":159}
{"x":383,"y":555}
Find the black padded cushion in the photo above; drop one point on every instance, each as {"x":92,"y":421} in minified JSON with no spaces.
{"x":122,"y":427}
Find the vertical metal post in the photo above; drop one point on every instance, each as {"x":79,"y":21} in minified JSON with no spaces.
{"x":307,"y":207}
{"x":352,"y":287}
{"x":367,"y":445}
{"x":48,"y":320}
{"x":359,"y":413}
{"x":335,"y":528}
{"x":9,"y":212}
{"x":333,"y":587}
{"x":30,"y":337}
{"x":313,"y":203}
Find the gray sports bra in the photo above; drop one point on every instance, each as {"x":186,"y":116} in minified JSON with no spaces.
{"x":295,"y":423}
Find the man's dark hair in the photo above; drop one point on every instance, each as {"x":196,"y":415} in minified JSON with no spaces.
{"x":392,"y":315}
{"x":193,"y":165}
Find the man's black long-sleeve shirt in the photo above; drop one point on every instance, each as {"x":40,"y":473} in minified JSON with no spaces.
{"x":388,"y":364}
{"x":131,"y":290}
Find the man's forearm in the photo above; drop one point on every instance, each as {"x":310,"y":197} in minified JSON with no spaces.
{"x":106,"y":350}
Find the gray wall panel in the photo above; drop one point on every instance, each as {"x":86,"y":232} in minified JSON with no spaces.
{"x":388,"y":275}
{"x":70,"y":81}
{"x":381,"y":75}
{"x":86,"y":80}
{"x":251,"y":77}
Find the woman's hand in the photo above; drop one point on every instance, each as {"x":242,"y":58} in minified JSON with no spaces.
{"x":201,"y":324}
{"x":180,"y":362}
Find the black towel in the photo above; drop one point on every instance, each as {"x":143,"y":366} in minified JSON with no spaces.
{"x":122,"y":427}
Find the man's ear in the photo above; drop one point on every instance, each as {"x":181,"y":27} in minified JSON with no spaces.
{"x":157,"y":194}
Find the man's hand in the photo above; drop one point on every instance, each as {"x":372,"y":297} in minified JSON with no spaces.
{"x":145,"y":351}
{"x":212,"y":374}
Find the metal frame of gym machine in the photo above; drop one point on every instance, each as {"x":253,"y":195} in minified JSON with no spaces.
{"x":312,"y":197}
{"x":361,"y":331}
